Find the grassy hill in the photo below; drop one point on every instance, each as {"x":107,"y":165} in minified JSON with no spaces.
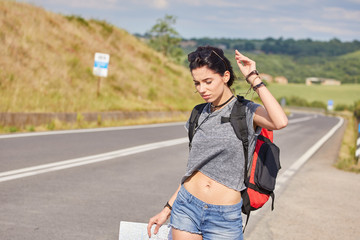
{"x":47,"y":60}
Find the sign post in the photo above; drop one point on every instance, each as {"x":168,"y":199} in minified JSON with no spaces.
{"x":357,"y":153}
{"x":283,"y":102}
{"x":330,"y":105}
{"x":101,"y":68}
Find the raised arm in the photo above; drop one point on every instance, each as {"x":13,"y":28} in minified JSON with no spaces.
{"x":271,"y":115}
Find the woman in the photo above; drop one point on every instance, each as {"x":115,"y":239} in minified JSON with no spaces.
{"x":207,"y":204}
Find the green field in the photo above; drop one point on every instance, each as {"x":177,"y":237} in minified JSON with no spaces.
{"x":345,"y":94}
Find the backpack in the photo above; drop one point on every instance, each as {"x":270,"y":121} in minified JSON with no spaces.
{"x":260,"y":177}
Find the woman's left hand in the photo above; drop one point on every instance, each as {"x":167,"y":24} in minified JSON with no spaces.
{"x":159,"y":220}
{"x":245,"y":64}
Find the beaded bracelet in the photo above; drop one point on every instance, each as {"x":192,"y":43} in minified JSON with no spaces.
{"x":251,"y":73}
{"x":168,"y":205}
{"x":258,"y":85}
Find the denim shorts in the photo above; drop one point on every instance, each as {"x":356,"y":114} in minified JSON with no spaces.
{"x":213,"y":222}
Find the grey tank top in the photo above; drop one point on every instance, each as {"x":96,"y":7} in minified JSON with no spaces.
{"x":215,"y":149}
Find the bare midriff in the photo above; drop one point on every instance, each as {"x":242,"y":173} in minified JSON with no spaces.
{"x":210,"y":191}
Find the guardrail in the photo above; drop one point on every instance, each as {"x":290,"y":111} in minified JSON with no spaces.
{"x":35,"y":119}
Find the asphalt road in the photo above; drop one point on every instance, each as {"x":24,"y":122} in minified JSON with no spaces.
{"x":86,"y":198}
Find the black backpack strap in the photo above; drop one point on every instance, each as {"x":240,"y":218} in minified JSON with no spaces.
{"x":193,"y":122}
{"x":272,"y":195}
{"x":247,"y":220}
{"x":238,"y":121}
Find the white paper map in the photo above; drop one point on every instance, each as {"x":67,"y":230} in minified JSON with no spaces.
{"x":138,"y":231}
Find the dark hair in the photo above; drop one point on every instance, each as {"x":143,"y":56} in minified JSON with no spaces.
{"x":214,"y":59}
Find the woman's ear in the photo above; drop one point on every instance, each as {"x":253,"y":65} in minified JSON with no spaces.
{"x":226,"y":76}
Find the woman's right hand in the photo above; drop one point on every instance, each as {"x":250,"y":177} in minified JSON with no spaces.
{"x":245,"y":64}
{"x":159,"y":220}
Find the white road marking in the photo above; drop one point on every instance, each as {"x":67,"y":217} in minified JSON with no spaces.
{"x":31,"y":171}
{"x":306,"y":156}
{"x":297,"y":120}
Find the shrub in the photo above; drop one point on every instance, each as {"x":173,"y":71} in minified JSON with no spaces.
{"x":343,"y":107}
{"x":357,"y":110}
{"x":318,"y":104}
{"x":78,"y":19}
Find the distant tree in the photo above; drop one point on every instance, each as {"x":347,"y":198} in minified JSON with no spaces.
{"x":164,"y":37}
{"x":249,"y":46}
{"x":239,"y":46}
{"x":267,"y":47}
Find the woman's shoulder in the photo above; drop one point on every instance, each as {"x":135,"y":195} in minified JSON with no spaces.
{"x":252,"y":106}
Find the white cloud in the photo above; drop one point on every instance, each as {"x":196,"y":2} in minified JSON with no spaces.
{"x":312,"y":27}
{"x":160,"y":4}
{"x":231,"y":18}
{"x":154,"y":4}
{"x":86,"y":4}
{"x":212,"y":3}
{"x":337,"y":13}
{"x":333,"y":30}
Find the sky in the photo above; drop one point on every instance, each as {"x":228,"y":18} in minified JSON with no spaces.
{"x":298,"y":19}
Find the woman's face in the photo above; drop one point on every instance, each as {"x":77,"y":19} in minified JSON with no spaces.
{"x":209,"y":84}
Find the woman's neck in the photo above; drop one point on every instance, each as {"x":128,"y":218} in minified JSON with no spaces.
{"x":224,"y":100}
{"x":226,"y":94}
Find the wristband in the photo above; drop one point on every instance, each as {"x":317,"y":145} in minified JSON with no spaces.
{"x":168,"y":206}
{"x":258,"y":85}
{"x":251,"y":73}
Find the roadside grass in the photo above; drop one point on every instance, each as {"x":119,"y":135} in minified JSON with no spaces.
{"x":346,"y":159}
